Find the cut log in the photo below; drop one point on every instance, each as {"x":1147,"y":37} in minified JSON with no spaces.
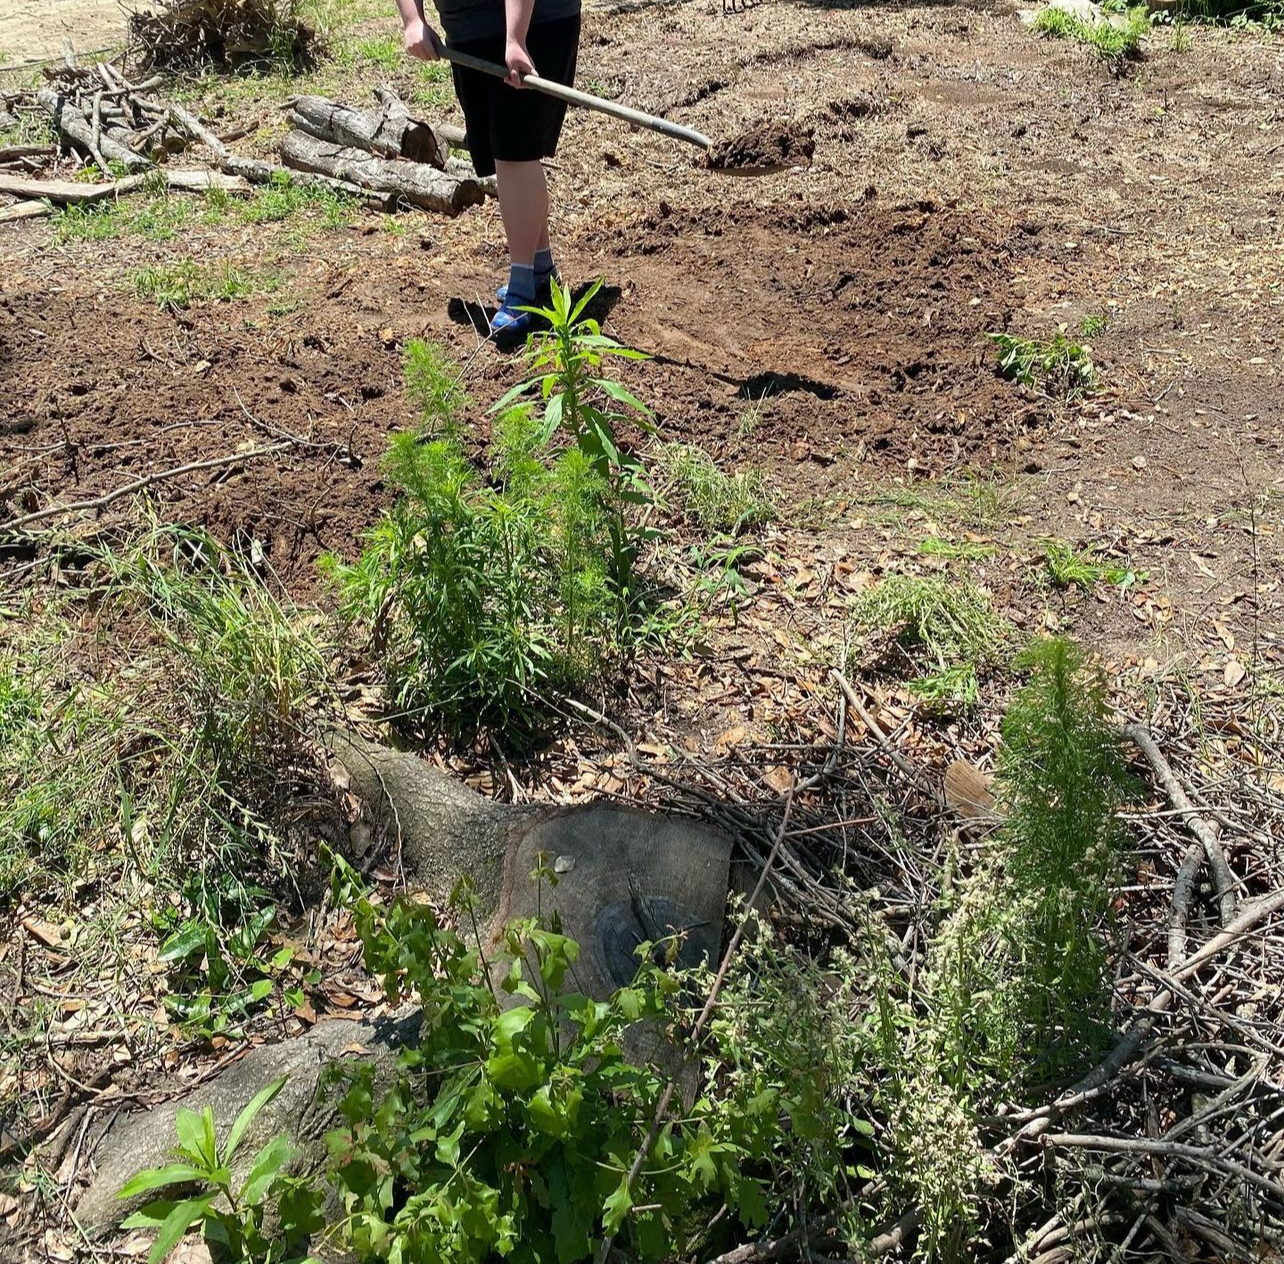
{"x":258,"y":172}
{"x":389,"y":131}
{"x":74,"y":124}
{"x":24,"y":210}
{"x":417,"y":184}
{"x":450,"y":134}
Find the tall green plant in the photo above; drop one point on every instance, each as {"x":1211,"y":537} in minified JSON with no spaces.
{"x":483,"y":598}
{"x":566,"y":366}
{"x":1064,"y":777}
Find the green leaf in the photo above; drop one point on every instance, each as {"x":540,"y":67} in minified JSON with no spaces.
{"x":267,"y":1163}
{"x":247,"y":1116}
{"x":191,"y":1138}
{"x":180,"y":1219}
{"x":621,"y":394}
{"x":184,"y":943}
{"x":617,"y":1206}
{"x":158,"y":1177}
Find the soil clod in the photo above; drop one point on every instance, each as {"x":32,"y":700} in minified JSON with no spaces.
{"x":767,"y":145}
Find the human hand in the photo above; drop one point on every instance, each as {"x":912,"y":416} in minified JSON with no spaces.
{"x":422,"y":41}
{"x":518,"y":61}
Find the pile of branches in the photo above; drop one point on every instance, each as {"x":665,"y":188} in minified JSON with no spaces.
{"x":225,"y":34}
{"x":1172,"y":1145}
{"x":383,"y":157}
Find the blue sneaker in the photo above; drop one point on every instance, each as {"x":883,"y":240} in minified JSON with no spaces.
{"x":543,"y":289}
{"x":510,"y":322}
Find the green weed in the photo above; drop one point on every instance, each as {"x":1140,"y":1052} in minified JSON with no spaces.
{"x":177,"y":286}
{"x":384,"y":51}
{"x":433,"y":384}
{"x":161,"y":219}
{"x":719,"y":502}
{"x":230,"y":1216}
{"x":568,"y":364}
{"x":484,"y":598}
{"x":1057,"y":366}
{"x":956,"y":550}
{"x":1069,"y":569}
{"x":945,"y":628}
{"x":1112,"y":40}
{"x":95,"y":221}
{"x":1093,"y":324}
{"x":282,"y":198}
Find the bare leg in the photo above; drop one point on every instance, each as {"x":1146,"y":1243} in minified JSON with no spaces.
{"x":523,"y":206}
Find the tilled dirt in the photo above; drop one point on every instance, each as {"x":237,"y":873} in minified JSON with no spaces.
{"x":768,"y":145}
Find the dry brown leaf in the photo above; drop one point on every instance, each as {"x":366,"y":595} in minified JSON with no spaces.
{"x":1234,"y":673}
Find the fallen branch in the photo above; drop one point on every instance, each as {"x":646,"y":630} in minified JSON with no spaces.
{"x":138,"y":485}
{"x":24,"y":210}
{"x":1039,"y":1120}
{"x":1183,"y":893}
{"x":913,"y":774}
{"x":420,"y":185}
{"x":1223,"y":878}
{"x":72,"y":122}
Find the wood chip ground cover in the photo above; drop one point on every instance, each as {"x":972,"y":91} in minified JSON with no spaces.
{"x":826,"y":325}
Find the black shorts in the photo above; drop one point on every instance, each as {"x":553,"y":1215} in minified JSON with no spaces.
{"x":512,"y":124}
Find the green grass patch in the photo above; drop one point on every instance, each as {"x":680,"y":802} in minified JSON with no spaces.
{"x":1067,"y":568}
{"x":974,"y":501}
{"x":716,"y":500}
{"x":945,"y":630}
{"x":1057,"y":366}
{"x":956,"y":550}
{"x":1112,"y":39}
{"x":283,"y":198}
{"x":177,"y":286}
{"x":165,"y":770}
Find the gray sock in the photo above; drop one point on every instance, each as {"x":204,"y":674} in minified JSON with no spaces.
{"x":544,"y":265}
{"x":521,"y":285}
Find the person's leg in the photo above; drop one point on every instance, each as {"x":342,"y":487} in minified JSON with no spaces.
{"x":523,"y":206}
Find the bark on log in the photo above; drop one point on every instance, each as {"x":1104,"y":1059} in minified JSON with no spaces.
{"x":443,"y":829}
{"x":420,"y":185}
{"x":389,"y":131}
{"x":258,"y":172}
{"x":73,"y":123}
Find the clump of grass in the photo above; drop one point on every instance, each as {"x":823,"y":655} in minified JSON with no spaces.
{"x":717,"y":501}
{"x":282,"y":198}
{"x":384,"y":51}
{"x":973,"y":501}
{"x":161,"y":218}
{"x":1057,"y":366}
{"x":177,"y":286}
{"x":1067,"y":568}
{"x":95,"y":221}
{"x":947,"y":629}
{"x":433,"y":383}
{"x":956,"y":550}
{"x":1112,"y":40}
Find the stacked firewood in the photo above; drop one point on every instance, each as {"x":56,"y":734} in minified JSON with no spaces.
{"x":383,"y":156}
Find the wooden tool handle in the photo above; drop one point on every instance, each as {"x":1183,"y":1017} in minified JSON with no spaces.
{"x":573,"y":96}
